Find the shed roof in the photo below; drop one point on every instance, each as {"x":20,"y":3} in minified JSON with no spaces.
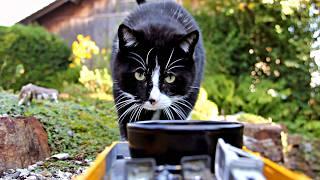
{"x":45,"y":10}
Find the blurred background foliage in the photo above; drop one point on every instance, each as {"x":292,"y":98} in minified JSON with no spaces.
{"x":258,"y":58}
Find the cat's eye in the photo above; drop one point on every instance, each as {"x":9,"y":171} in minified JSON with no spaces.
{"x":170,"y":79}
{"x":139,"y":76}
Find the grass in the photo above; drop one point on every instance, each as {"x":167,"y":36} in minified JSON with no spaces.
{"x":80,"y":127}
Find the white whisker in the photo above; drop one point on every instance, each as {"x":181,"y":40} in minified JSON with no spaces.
{"x":169,"y":59}
{"x":188,"y":23}
{"x":178,"y":14}
{"x":175,"y":67}
{"x":148,"y":55}
{"x":174,"y":14}
{"x":140,"y":58}
{"x":183,"y":100}
{"x":167,"y":112}
{"x":138,"y":114}
{"x":181,"y":109}
{"x":125,"y":103}
{"x":175,"y":61}
{"x":121,"y":96}
{"x":170,"y":114}
{"x":184,"y":105}
{"x":126,"y":112}
{"x":188,"y":27}
{"x":137,"y":60}
{"x":133,"y":113}
{"x":177,"y":112}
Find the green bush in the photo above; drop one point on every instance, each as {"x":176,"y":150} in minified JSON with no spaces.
{"x":29,"y":54}
{"x":258,"y":58}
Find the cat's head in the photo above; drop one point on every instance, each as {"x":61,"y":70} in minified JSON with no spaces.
{"x":156,"y":69}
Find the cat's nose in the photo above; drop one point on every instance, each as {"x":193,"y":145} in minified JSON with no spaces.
{"x":152,"y":101}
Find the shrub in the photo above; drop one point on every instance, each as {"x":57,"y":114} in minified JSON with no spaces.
{"x":29,"y":54}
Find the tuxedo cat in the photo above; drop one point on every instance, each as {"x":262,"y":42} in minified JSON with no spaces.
{"x":157,"y":64}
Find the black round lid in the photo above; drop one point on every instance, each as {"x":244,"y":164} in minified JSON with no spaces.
{"x":185,"y":125}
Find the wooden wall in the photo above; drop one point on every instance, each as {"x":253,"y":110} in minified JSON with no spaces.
{"x":97,"y":18}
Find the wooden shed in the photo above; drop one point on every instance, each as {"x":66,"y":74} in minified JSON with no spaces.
{"x":97,"y":18}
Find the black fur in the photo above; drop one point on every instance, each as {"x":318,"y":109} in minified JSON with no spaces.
{"x":169,"y":30}
{"x":141,"y":1}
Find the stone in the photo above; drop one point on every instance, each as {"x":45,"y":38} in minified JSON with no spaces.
{"x":302,"y":155}
{"x":80,"y":170}
{"x":40,"y":177}
{"x":39,"y":163}
{"x":13,"y":175}
{"x":88,"y":160}
{"x":70,"y":133}
{"x":68,"y":174}
{"x":32,"y":167}
{"x":10,"y":171}
{"x":265,"y":138}
{"x":31,"y":178}
{"x":61,"y":156}
{"x":23,"y":172}
{"x":307,"y":147}
{"x":23,"y":142}
{"x":60,"y":174}
{"x":78,"y":162}
{"x":46,"y":173}
{"x":295,"y":140}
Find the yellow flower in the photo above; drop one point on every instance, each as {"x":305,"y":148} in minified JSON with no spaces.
{"x":251,"y":5}
{"x":77,"y":61}
{"x":288,"y":6}
{"x":242,"y":6}
{"x":72,"y":65}
{"x":84,"y":49}
{"x":103,"y":51}
{"x":80,"y":37}
{"x":267,"y":1}
{"x":204,"y":109}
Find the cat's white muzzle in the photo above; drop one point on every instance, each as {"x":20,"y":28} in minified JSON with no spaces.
{"x":161,"y":102}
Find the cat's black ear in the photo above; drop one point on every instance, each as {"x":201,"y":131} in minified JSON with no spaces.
{"x":126,"y":36}
{"x":189,"y":41}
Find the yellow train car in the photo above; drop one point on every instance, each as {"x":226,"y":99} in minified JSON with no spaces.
{"x":101,"y":167}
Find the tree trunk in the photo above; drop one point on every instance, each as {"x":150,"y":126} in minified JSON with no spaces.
{"x":23,"y":141}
